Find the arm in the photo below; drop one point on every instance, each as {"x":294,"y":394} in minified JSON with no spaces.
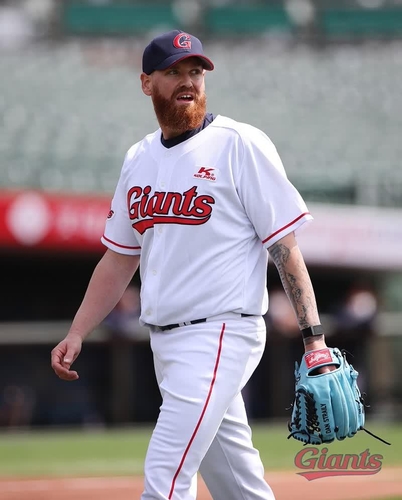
{"x":109,"y":280}
{"x":297,"y":285}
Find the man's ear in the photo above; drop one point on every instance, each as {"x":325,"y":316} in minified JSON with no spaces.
{"x":146,"y":84}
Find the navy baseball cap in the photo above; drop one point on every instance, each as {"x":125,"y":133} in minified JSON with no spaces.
{"x":170,"y":48}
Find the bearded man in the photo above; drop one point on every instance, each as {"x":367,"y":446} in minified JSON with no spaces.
{"x":199,"y":204}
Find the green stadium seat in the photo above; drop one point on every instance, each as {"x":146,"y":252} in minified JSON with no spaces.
{"x":68,"y":117}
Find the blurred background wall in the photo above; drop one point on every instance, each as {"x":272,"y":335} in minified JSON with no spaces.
{"x":321,"y":77}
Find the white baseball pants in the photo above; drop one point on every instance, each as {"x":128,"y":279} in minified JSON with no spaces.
{"x":202,"y":426}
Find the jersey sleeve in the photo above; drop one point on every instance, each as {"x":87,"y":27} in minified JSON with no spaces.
{"x":272,"y":203}
{"x":119,"y":234}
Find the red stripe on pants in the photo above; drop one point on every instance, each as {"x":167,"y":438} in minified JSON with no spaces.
{"x":218,"y":356}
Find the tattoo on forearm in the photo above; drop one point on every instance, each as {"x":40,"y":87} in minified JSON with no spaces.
{"x":296,"y":283}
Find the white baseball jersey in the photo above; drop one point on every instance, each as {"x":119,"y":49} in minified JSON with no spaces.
{"x":201,"y":215}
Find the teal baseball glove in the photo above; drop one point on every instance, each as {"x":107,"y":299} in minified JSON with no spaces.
{"x":327,"y":406}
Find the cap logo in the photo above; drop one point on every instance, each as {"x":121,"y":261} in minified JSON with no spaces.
{"x":182,"y":41}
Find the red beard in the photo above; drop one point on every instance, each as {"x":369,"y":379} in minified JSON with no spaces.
{"x":179,"y":118}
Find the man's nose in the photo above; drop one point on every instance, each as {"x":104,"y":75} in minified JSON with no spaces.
{"x":187,"y":81}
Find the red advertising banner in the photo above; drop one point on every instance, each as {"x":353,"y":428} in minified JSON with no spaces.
{"x":339,"y":236}
{"x":36,"y":219}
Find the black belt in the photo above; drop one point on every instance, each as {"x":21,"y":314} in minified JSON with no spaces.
{"x":193,"y":322}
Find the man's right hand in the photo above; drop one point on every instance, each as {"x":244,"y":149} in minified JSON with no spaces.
{"x":64,"y":355}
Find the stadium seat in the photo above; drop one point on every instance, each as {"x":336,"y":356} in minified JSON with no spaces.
{"x":69,"y":114}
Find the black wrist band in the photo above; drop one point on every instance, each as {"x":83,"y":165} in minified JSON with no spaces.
{"x":312,"y":331}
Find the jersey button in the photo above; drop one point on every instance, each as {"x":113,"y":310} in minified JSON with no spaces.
{"x":148,"y":312}
{"x":162,"y":184}
{"x":154,"y":272}
{"x":160,"y":229}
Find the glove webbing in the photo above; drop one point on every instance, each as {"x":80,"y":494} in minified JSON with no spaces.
{"x":311,"y":416}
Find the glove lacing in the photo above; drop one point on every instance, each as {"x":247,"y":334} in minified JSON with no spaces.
{"x":363,"y":402}
{"x":312,"y":423}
